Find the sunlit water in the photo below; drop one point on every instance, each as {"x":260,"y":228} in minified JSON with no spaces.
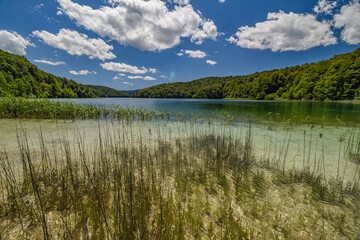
{"x":302,"y":133}
{"x":330,"y":113}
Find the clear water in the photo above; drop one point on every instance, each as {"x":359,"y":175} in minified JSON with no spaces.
{"x":334,"y":113}
{"x":312,"y":130}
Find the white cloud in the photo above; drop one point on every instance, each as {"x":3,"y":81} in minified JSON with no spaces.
{"x":211,"y":62}
{"x":59,"y":13}
{"x":285,"y":32}
{"x":181,"y":2}
{"x":119,"y":74}
{"x":153,"y":70}
{"x":192,"y":54}
{"x":128,"y":83}
{"x":135,"y":77}
{"x":163,"y":76}
{"x":49,"y":62}
{"x":148,"y":78}
{"x":349,"y":20}
{"x":77,"y":44}
{"x":324,"y":6}
{"x":146,"y":25}
{"x":221,"y":1}
{"x":122,"y":67}
{"x":82,"y":72}
{"x":195,"y":54}
{"x":13,"y":42}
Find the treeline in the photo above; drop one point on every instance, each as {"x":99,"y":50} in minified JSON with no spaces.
{"x":20,"y":78}
{"x":103,"y":91}
{"x":335,"y":79}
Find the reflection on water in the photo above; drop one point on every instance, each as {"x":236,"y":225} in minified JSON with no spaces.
{"x":334,"y":113}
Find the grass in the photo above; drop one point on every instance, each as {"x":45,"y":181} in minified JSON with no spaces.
{"x":167,"y":180}
{"x":51,"y":109}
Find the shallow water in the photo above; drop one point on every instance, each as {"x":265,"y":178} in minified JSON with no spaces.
{"x":300,"y":145}
{"x":296,"y":112}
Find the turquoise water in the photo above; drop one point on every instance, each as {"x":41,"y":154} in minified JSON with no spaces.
{"x":310,"y":130}
{"x":334,"y":113}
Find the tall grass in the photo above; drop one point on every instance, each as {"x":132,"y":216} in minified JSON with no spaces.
{"x":172,"y":181}
{"x":53,"y":109}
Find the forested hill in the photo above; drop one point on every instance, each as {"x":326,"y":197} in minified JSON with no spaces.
{"x":103,"y":91}
{"x":20,"y":78}
{"x":335,"y":79}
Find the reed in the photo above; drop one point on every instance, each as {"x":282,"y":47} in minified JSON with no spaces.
{"x":54,"y":109}
{"x":167,"y":180}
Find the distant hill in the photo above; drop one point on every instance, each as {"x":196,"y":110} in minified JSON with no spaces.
{"x":335,"y":79}
{"x":103,"y":91}
{"x":20,"y":78}
{"x":130,"y":92}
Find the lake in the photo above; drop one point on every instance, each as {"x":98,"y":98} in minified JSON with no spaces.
{"x":309,"y":130}
{"x":333,"y":113}
{"x":198,"y":162}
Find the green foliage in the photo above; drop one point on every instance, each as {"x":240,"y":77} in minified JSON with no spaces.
{"x":20,"y":78}
{"x":103,"y":91}
{"x":54,"y":109}
{"x":181,"y":89}
{"x":335,"y":79}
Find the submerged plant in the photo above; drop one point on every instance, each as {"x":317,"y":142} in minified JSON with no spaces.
{"x":165,"y":180}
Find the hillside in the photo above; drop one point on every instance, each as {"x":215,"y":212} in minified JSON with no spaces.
{"x":20,"y":78}
{"x":130,"y":92}
{"x":103,"y":91}
{"x":335,"y":79}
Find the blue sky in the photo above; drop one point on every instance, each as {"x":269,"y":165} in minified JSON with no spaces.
{"x":132,"y":44}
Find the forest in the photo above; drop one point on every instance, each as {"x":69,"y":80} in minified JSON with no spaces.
{"x":20,"y":78}
{"x":103,"y":91}
{"x":335,"y":79}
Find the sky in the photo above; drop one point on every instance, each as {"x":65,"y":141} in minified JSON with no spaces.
{"x":133,"y":44}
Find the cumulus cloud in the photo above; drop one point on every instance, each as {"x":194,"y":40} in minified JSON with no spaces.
{"x":49,"y":62}
{"x":221,"y":1}
{"x":128,"y":83}
{"x":77,"y":43}
{"x":349,"y":19}
{"x":82,"y":72}
{"x":148,"y":78}
{"x":153,"y":70}
{"x":13,"y":42}
{"x":119,"y":74}
{"x":146,"y":25}
{"x":59,"y":13}
{"x":324,"y":6}
{"x":181,"y":2}
{"x":285,"y":32}
{"x":211,"y":62}
{"x":192,"y":54}
{"x":135,"y":77}
{"x":195,"y":54}
{"x":122,"y":67}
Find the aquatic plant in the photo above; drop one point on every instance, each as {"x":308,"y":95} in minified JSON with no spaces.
{"x":148,"y":181}
{"x":54,"y":109}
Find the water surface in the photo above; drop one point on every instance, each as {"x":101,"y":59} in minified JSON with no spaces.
{"x":309,"y":131}
{"x":335,"y":113}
